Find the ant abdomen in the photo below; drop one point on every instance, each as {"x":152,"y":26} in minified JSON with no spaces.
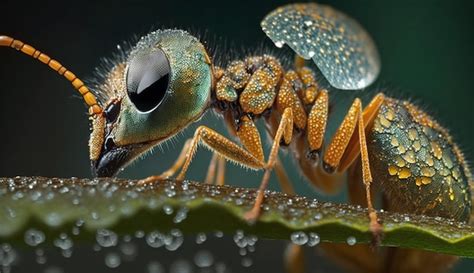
{"x":416,"y":164}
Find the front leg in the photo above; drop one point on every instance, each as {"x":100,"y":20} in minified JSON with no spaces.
{"x":221,"y":145}
{"x":173,"y":169}
{"x":231,"y":151}
{"x":284,"y":132}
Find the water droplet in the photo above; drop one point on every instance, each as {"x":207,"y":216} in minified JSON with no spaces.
{"x":185,"y":185}
{"x":127,"y":238}
{"x":64,"y":190}
{"x":129,"y":250}
{"x":96,"y":248}
{"x":155,"y":239}
{"x":139,"y":234}
{"x":35,"y":195}
{"x":65,"y":244}
{"x":251,"y":248}
{"x":247,"y":262}
{"x":180,"y":266}
{"x":79,"y":223}
{"x":219,"y":234}
{"x":313,"y":239}
{"x":75,"y":231}
{"x":95,"y":215}
{"x":351,"y":240}
{"x":40,"y":256}
{"x":106,"y":238}
{"x":53,"y":219}
{"x":34,"y":237}
{"x":220,"y":267}
{"x":168,"y":209}
{"x":153,"y":203}
{"x":170,"y":192}
{"x":299,"y":238}
{"x":279,"y":44}
{"x":318,"y":216}
{"x":18,"y":195}
{"x":7,"y":255}
{"x":76,"y":201}
{"x":155,"y":267}
{"x":242,"y":240}
{"x":53,"y":269}
{"x":203,"y":258}
{"x":112,"y":260}
{"x":201,"y":238}
{"x":174,"y":240}
{"x":180,"y":215}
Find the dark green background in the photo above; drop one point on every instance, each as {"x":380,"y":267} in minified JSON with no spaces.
{"x":425,"y":47}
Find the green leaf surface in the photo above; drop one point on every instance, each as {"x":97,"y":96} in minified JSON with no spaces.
{"x":55,"y":206}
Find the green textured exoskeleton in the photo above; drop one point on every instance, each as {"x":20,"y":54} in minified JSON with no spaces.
{"x":169,"y":69}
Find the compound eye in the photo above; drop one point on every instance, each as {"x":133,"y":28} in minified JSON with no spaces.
{"x":148,"y":77}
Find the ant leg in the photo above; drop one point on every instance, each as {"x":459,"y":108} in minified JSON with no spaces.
{"x":174,"y":168}
{"x":217,"y":162}
{"x":294,"y":259}
{"x":284,"y":132}
{"x":220,"y":181}
{"x":317,"y":120}
{"x":335,"y":150}
{"x":346,"y":146}
{"x":358,"y":145}
{"x":211,"y":170}
{"x":221,"y":145}
{"x":285,"y":182}
{"x":299,"y":62}
{"x":249,"y":137}
{"x":353,"y":148}
{"x":375,"y":226}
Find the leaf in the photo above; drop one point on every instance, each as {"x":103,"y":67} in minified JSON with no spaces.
{"x":55,"y":205}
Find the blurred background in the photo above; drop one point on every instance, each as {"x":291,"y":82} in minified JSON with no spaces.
{"x":425,"y":48}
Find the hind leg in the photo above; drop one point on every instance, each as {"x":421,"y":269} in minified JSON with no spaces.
{"x":216,"y":170}
{"x":348,"y":144}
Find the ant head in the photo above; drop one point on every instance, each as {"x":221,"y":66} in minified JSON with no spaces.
{"x":162,"y":87}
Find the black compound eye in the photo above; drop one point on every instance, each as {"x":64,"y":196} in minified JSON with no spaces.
{"x":147,"y":80}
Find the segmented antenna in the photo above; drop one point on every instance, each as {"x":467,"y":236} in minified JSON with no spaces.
{"x":89,"y":98}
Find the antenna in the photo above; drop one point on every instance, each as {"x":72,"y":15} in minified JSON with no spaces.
{"x":89,"y":98}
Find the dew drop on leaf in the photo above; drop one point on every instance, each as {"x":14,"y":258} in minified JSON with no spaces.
{"x":34,"y":237}
{"x":313,"y":239}
{"x":203,"y":258}
{"x":112,"y":260}
{"x":351,"y":240}
{"x":106,"y":238}
{"x":299,"y":238}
